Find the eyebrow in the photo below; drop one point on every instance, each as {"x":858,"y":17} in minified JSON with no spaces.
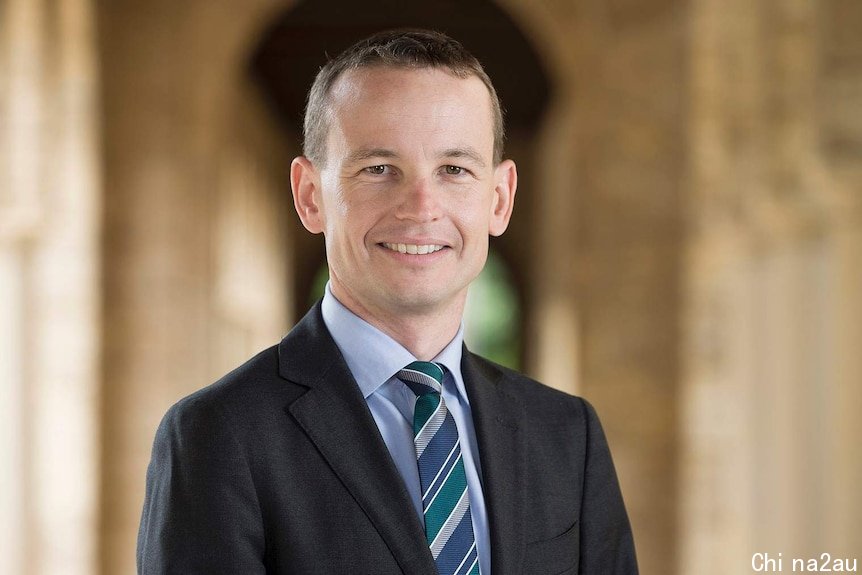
{"x":468,"y":153}
{"x":363,"y":154}
{"x":366,"y":153}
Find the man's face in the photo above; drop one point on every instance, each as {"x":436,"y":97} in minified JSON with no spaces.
{"x":408,"y":194}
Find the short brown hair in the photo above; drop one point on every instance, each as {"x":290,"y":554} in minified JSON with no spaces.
{"x":404,"y":48}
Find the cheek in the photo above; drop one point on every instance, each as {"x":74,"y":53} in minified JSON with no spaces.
{"x":473,"y":205}
{"x":341,"y":203}
{"x":473,"y":221}
{"x":351,"y":226}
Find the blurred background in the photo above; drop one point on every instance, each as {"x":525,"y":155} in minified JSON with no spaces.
{"x":686,"y":251}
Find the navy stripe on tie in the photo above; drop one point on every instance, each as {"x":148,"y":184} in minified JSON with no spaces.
{"x":460,"y":544}
{"x":441,"y":444}
{"x":442,"y":475}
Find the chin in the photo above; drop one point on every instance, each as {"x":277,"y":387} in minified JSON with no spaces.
{"x":418,"y":302}
{"x":413,"y":304}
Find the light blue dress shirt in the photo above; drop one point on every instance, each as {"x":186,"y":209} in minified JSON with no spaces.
{"x":374,"y":358}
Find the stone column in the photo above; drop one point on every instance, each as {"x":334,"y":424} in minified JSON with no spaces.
{"x":772,"y":283}
{"x":49,"y":306}
{"x":251,"y":242}
{"x":839,"y":113}
{"x":190,"y":170}
{"x":719,"y":349}
{"x":608,"y":229}
{"x":552,"y":351}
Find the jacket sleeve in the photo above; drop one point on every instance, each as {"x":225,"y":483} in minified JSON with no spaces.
{"x":607,"y":546}
{"x":201,"y":513}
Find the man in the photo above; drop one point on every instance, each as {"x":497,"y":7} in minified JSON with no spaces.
{"x":370,"y":441}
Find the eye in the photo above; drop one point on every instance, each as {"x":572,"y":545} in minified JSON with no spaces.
{"x":377,"y":170}
{"x":453,"y":170}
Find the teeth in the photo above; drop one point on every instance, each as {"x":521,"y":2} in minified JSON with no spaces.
{"x":413,"y":248}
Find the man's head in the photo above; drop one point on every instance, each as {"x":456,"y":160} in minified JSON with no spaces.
{"x":395,"y":49}
{"x":409,"y":187}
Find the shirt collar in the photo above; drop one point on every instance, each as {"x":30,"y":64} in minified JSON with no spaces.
{"x":372,"y":356}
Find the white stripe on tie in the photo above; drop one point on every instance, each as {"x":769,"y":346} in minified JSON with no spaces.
{"x":425,"y":508}
{"x":442,"y":467}
{"x":420,"y":377}
{"x":426,"y":434}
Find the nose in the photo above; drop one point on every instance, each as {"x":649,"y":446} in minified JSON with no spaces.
{"x":419,"y":201}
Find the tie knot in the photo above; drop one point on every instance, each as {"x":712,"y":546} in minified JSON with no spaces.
{"x":422,"y":377}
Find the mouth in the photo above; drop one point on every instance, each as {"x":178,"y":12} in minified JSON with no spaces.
{"x":418,"y":249}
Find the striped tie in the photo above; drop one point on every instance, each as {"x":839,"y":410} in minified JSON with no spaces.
{"x":445,"y":502}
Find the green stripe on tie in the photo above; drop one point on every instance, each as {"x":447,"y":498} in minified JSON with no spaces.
{"x":428,"y":368}
{"x":444,"y":503}
{"x":425,"y":408}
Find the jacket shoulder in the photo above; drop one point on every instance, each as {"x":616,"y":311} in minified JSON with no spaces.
{"x":237,"y":399}
{"x":536,"y":396}
{"x":244,"y":380}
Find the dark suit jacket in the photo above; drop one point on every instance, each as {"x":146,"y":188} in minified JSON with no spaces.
{"x":279,"y":468}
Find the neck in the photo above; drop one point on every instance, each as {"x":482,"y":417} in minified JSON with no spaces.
{"x":422,"y":334}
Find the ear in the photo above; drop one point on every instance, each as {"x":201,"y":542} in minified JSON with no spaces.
{"x":305,"y":184}
{"x":506,"y":178}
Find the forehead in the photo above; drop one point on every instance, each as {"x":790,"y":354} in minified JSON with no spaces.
{"x":424,"y":105}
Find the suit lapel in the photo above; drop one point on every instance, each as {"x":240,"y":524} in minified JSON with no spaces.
{"x":497,"y":418}
{"x":336,"y":418}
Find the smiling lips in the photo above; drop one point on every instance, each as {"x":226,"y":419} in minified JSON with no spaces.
{"x":413,"y":248}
